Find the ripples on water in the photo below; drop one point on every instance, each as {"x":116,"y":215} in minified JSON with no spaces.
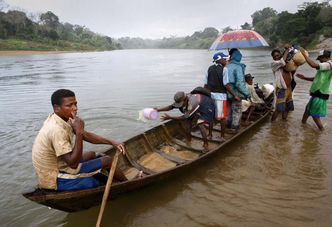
{"x":277,"y":175}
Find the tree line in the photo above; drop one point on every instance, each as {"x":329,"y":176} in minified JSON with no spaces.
{"x":312,"y":21}
{"x":48,"y":33}
{"x":198,"y":40}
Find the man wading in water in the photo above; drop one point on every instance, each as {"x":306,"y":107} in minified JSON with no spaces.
{"x":320,"y":88}
{"x":283,"y":79}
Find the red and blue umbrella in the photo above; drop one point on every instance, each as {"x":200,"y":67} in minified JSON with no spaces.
{"x":239,"y":39}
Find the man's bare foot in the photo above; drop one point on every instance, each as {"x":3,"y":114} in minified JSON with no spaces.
{"x":232,"y":131}
{"x":188,"y":142}
{"x":139,"y":175}
{"x":205,"y":148}
{"x":221,"y":138}
{"x":246,"y":123}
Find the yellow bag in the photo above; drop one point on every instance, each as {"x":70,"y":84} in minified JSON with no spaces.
{"x":291,"y":66}
{"x":299,"y":59}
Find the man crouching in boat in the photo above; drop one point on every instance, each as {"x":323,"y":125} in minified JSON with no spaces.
{"x":57,"y":153}
{"x":197,"y":109}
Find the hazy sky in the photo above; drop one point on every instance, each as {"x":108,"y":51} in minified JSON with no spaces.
{"x":154,"y":18}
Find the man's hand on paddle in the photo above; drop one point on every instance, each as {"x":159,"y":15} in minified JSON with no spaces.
{"x":120,"y":147}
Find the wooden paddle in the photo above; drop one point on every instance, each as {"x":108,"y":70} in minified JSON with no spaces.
{"x":108,"y":187}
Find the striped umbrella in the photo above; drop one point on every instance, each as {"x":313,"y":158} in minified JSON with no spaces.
{"x":239,"y":39}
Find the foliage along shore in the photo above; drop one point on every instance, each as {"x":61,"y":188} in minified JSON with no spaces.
{"x":45,"y":32}
{"x":310,"y":27}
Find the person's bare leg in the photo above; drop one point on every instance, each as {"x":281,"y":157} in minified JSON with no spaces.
{"x":210,"y":131}
{"x":204,"y":135}
{"x":222,"y":128}
{"x":274,"y":115}
{"x":106,"y":164}
{"x":251,"y":109}
{"x":318,"y":123}
{"x":88,"y":155}
{"x":285,"y":115}
{"x":305,"y":117}
{"x":188,"y":132}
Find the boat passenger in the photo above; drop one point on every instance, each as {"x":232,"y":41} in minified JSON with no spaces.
{"x":320,"y":88}
{"x":255,"y":101}
{"x":216,"y":80}
{"x":57,"y":153}
{"x":236,"y":71}
{"x":197,"y":109}
{"x":283,"y":79}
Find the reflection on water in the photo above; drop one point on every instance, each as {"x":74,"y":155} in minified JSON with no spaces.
{"x":276,"y":175}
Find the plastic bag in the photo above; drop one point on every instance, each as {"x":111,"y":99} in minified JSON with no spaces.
{"x":267,"y":90}
{"x":147,"y":114}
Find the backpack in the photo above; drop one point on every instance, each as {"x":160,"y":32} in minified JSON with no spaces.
{"x":202,"y":91}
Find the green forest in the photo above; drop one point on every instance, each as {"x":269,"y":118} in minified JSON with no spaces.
{"x":19,"y":31}
{"x":46,"y":32}
{"x":312,"y":21}
{"x":305,"y":27}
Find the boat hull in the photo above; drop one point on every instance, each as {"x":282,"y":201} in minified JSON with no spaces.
{"x":146,"y":152}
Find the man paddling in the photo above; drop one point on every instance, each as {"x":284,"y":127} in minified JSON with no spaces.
{"x":197,"y":109}
{"x":57,"y":153}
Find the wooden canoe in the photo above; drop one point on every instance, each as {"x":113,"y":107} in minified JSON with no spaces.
{"x":159,"y":152}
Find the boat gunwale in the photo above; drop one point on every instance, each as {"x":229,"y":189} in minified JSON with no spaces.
{"x":54,"y":195}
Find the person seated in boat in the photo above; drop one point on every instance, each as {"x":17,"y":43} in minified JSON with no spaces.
{"x":216,"y":80}
{"x":254,"y":101}
{"x":198,"y":110}
{"x":57,"y":153}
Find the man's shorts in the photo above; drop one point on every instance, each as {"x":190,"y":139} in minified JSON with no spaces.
{"x":221,"y":109}
{"x":220,"y":103}
{"x":316,"y":107}
{"x":284,"y":100}
{"x":68,"y":182}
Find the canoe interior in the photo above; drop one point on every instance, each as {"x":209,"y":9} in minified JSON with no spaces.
{"x":159,"y":152}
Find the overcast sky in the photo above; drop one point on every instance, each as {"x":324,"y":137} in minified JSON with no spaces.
{"x":154,"y":18}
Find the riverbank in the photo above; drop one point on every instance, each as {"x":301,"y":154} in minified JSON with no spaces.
{"x":10,"y":47}
{"x":324,"y":43}
{"x":29,"y":52}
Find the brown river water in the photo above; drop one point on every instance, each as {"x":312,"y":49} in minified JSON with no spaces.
{"x":278,"y":174}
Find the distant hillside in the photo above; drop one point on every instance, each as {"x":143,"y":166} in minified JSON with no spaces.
{"x":198,"y":40}
{"x":309,"y":26}
{"x":18,"y":32}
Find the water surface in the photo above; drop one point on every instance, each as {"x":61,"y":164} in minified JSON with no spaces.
{"x":279,"y":174}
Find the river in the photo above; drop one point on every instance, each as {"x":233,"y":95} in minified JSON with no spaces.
{"x":279,"y":174}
